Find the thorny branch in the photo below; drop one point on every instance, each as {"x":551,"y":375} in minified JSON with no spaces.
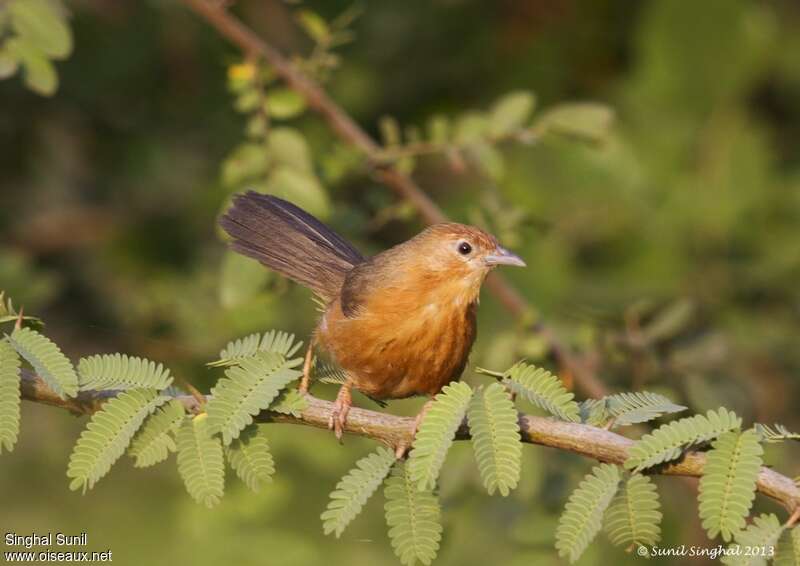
{"x":586,"y":440}
{"x":217,"y":15}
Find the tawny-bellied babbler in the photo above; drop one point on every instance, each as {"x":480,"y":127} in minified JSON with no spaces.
{"x":400,"y":323}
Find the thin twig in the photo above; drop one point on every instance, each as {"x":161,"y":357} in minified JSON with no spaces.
{"x":346,"y":128}
{"x":394,"y":431}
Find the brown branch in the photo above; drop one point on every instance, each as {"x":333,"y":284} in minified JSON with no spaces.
{"x":589,"y":441}
{"x":216,"y":14}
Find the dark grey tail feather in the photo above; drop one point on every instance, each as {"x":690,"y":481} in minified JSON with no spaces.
{"x":291,"y":241}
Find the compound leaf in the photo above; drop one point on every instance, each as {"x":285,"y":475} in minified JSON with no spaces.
{"x":667,"y":442}
{"x":154,"y":441}
{"x":728,"y":485}
{"x":9,"y":396}
{"x":752,"y":547}
{"x":354,"y":489}
{"x":250,"y":457}
{"x":436,"y":432}
{"x":200,"y":461}
{"x":413,"y":517}
{"x":634,"y":518}
{"x":582,"y":517}
{"x":119,"y":371}
{"x":47,"y":360}
{"x":543,"y":389}
{"x":108,"y":434}
{"x":788,"y":552}
{"x":639,"y":407}
{"x":494,"y":426}
{"x":275,"y":341}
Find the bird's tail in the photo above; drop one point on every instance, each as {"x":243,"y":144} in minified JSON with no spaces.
{"x":291,"y":241}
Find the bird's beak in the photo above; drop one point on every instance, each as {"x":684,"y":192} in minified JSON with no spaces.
{"x":502,"y":256}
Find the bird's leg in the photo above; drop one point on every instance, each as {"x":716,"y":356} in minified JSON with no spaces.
{"x":305,"y":381}
{"x":403,"y":446}
{"x":341,"y":407}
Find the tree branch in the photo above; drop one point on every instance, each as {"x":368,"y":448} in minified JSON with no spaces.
{"x":589,"y":441}
{"x":216,"y":14}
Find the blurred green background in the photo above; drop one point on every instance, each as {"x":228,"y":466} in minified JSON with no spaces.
{"x":671,"y":251}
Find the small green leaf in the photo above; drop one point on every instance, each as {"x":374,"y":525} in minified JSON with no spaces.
{"x":314,"y":25}
{"x":470,"y":127}
{"x":245,"y":163}
{"x":354,"y":489}
{"x":40,"y":74}
{"x":633,"y":518}
{"x":284,"y":103}
{"x":250,"y":457}
{"x":9,"y":396}
{"x":510,"y":113}
{"x":8,"y":64}
{"x":586,"y":121}
{"x":436,"y":433}
{"x":38,"y":23}
{"x":47,"y":360}
{"x":413,"y":517}
{"x":200,"y":461}
{"x":289,"y":147}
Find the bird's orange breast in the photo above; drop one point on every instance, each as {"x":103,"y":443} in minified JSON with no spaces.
{"x":409,"y":339}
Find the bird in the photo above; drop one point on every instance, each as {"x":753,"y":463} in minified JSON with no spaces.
{"x":400,"y":323}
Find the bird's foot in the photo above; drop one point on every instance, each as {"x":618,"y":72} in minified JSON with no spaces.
{"x":405,"y":445}
{"x":341,"y":407}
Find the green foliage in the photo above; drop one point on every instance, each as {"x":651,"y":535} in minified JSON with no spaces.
{"x":582,"y":517}
{"x":510,"y":113}
{"x":276,"y":342}
{"x":775,"y":433}
{"x":728,"y":485}
{"x":248,"y":388}
{"x":756,"y":544}
{"x":788,"y":552}
{"x":154,"y":441}
{"x":495,"y":434}
{"x":289,"y":402}
{"x":543,"y":389}
{"x":9,"y":396}
{"x":119,"y":371}
{"x":633,"y":518}
{"x":436,"y":433}
{"x":354,"y":489}
{"x":668,"y":441}
{"x":413,"y":517}
{"x":108,"y":434}
{"x":39,"y":35}
{"x":639,"y":407}
{"x":200,"y":461}
{"x":585,"y":121}
{"x":250,"y":457}
{"x":47,"y":360}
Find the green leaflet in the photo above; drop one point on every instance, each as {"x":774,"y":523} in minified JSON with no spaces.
{"x":728,"y":485}
{"x":582,"y":517}
{"x":436,"y":432}
{"x":289,"y":402}
{"x":47,"y":360}
{"x":250,"y":457}
{"x":543,"y":389}
{"x":639,"y":407}
{"x":633,"y":518}
{"x":248,"y":388}
{"x":154,"y":441}
{"x":200,"y":461}
{"x":354,"y":489}
{"x":495,"y":434}
{"x":119,"y":371}
{"x":413,"y":518}
{"x":9,"y":396}
{"x":108,"y":434}
{"x":776,"y":433}
{"x":757,"y":539}
{"x":277,"y":342}
{"x":667,"y":442}
{"x":788,"y":551}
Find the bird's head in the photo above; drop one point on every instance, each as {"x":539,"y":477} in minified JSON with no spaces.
{"x":457,"y":252}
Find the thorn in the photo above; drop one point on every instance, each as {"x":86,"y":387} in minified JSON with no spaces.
{"x":18,"y":324}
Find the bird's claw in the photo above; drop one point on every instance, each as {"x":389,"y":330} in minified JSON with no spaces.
{"x":341,"y":407}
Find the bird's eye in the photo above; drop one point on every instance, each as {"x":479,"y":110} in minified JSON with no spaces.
{"x":464,"y":248}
